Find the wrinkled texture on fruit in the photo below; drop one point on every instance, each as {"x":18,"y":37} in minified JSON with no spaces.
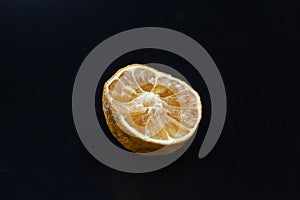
{"x":146,"y":109}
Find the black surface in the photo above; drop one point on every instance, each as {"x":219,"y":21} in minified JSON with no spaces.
{"x":255,"y":46}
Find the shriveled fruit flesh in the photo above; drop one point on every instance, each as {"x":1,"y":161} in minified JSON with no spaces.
{"x":147,"y":109}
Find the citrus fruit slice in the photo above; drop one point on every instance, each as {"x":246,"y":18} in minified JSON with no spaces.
{"x":146,"y":109}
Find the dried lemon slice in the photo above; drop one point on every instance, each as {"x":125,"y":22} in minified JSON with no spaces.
{"x":146,"y":109}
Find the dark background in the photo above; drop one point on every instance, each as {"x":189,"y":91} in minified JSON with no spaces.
{"x":255,"y":46}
